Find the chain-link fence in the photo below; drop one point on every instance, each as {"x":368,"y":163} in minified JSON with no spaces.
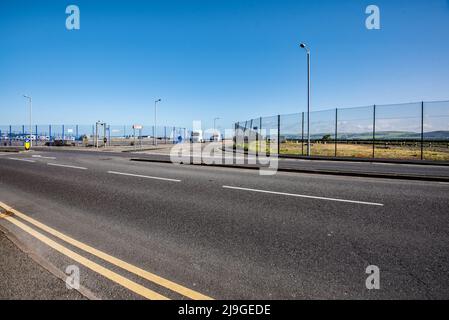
{"x":411,"y":131}
{"x":91,"y":135}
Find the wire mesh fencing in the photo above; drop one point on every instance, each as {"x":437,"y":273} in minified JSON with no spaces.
{"x":409,"y":131}
{"x":91,"y":135}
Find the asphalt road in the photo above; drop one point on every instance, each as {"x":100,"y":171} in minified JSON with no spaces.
{"x":230,"y":233}
{"x":352,"y":167}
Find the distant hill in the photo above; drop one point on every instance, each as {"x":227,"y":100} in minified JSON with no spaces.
{"x":439,"y":135}
{"x":381,"y":135}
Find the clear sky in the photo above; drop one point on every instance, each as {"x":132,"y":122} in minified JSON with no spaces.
{"x":233,"y":59}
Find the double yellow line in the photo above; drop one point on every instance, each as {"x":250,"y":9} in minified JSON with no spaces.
{"x":111,"y":275}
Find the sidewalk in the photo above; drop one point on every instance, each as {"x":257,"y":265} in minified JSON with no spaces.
{"x":22,"y":278}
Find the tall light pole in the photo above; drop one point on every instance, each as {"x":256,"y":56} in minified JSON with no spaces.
{"x":155,"y":120}
{"x":304,"y":46}
{"x":31,"y":126}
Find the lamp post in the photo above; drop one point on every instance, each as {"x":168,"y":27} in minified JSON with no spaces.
{"x":155,"y":120}
{"x":31,"y":109}
{"x":304,"y":46}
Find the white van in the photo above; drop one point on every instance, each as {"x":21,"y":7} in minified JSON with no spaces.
{"x":196,"y":136}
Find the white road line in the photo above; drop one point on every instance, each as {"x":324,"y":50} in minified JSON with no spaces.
{"x":66,"y":166}
{"x":304,"y":196}
{"x":141,"y":176}
{"x":24,"y":160}
{"x":41,"y":157}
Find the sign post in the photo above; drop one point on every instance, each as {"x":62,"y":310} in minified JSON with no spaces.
{"x":138,"y":127}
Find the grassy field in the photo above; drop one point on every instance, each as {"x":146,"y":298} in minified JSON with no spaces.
{"x":387,"y":151}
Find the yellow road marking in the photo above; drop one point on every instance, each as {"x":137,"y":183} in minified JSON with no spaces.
{"x":113,"y":260}
{"x":131,"y":285}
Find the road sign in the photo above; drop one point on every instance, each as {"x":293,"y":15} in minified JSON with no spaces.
{"x":138,"y":127}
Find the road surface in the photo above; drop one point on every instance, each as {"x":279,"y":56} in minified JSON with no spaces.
{"x":156,"y":230}
{"x":351,"y":167}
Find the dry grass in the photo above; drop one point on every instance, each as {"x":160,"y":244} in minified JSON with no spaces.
{"x":408,"y":152}
{"x":366,"y":151}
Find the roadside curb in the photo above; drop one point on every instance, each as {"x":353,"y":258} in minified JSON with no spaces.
{"x":10,"y":150}
{"x":311,"y":171}
{"x":348,"y":159}
{"x":140,"y":150}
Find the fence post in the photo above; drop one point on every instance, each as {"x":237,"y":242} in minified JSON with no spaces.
{"x":279,"y":134}
{"x":23,"y":130}
{"x":336,"y":130}
{"x":249,"y":140}
{"x":302,"y":135}
{"x":63,"y":133}
{"x":234,"y":146}
{"x":76,"y":132}
{"x":10,"y":135}
{"x":154,"y":135}
{"x":36,"y":135}
{"x":49,"y":132}
{"x":374,"y":130}
{"x":422,"y":130}
{"x":260,"y":135}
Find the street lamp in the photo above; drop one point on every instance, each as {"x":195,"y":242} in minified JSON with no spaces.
{"x":31,"y":107}
{"x":155,"y":120}
{"x":304,"y":46}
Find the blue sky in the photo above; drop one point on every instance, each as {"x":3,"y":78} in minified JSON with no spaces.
{"x":233,"y":59}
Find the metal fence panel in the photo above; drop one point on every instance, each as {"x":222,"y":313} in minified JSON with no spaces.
{"x":355,"y":132}
{"x":292,"y":134}
{"x":266,"y":135}
{"x":322,"y":133}
{"x":398,"y":131}
{"x":436,"y":130}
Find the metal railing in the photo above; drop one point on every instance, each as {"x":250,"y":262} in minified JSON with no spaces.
{"x":86,"y":135}
{"x":412,"y":131}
